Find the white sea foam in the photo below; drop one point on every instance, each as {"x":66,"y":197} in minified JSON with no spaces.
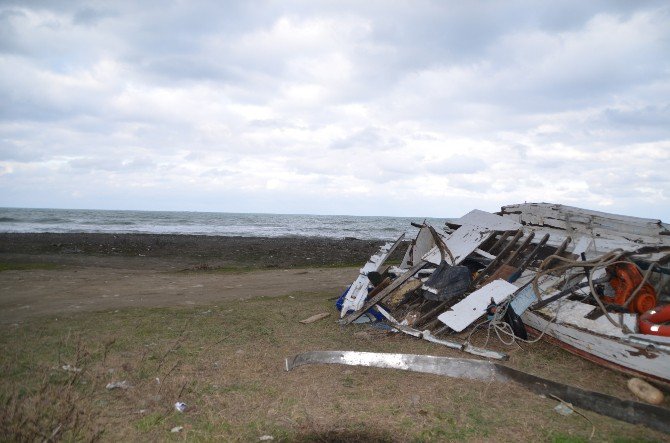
{"x":206,"y":223}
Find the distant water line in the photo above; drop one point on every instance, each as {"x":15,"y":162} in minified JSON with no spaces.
{"x":27,"y":220}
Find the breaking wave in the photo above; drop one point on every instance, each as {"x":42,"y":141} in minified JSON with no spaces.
{"x":206,"y":223}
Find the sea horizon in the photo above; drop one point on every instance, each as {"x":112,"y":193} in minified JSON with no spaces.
{"x":128,"y":221}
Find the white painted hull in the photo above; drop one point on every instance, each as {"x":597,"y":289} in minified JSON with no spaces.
{"x":652,"y":363}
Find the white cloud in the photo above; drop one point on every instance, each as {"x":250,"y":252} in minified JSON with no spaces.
{"x":428,"y":108}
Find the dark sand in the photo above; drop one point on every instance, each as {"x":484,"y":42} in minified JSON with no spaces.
{"x":61,"y":274}
{"x":156,"y":250}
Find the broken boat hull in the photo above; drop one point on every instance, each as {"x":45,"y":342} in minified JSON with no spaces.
{"x":640,"y":360}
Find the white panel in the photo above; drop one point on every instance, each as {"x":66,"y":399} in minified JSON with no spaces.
{"x":465,"y":312}
{"x":461,"y":243}
{"x":487,"y":220}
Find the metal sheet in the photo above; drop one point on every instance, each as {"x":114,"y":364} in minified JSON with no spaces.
{"x":629,"y":411}
{"x":447,"y":366}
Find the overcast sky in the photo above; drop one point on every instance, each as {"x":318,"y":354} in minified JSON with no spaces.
{"x":414,"y":108}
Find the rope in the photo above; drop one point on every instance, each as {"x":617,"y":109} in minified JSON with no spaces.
{"x":603,"y":261}
{"x":503,"y":330}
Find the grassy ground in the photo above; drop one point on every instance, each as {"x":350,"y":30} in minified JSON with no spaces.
{"x":226,"y":362}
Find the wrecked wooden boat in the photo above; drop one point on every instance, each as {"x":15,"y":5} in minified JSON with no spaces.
{"x":610,"y":336}
{"x":582,"y":279}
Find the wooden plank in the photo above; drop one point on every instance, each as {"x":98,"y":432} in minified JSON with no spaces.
{"x":468,"y":310}
{"x":315,"y":317}
{"x":500,"y":256}
{"x":461,"y":243}
{"x":485,"y":254}
{"x":379,"y":297}
{"x":587,"y":222}
{"x":420,"y":246}
{"x":604,"y":350}
{"x":504,"y":272}
{"x":358,"y":291}
{"x":487,"y":220}
{"x":500,"y":241}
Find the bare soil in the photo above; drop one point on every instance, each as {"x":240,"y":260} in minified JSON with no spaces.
{"x":92,"y":272}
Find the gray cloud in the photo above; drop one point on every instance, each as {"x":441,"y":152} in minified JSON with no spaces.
{"x":271,"y":102}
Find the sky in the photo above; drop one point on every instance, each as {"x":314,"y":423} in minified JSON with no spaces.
{"x":402,"y":108}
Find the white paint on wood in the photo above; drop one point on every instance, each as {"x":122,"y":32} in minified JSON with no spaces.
{"x":584,"y":244}
{"x":358,"y":292}
{"x":485,"y":254}
{"x":652,"y":338}
{"x":465,"y":312}
{"x":461,"y":243}
{"x":423,"y":243}
{"x":592,"y":223}
{"x":315,"y":317}
{"x":487,"y":220}
{"x":573,"y":312}
{"x":523,"y":299}
{"x":655,"y":362}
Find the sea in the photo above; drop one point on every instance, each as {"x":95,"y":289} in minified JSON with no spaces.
{"x":208,"y":223}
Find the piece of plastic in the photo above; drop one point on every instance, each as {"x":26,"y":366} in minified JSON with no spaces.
{"x":447,"y":282}
{"x":118,"y":385}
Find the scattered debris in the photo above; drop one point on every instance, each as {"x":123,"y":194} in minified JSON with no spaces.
{"x":180,"y":406}
{"x":645,"y":392}
{"x":355,"y":296}
{"x":266,"y":438}
{"x":314,"y":318}
{"x":70,"y":368}
{"x":118,"y":385}
{"x":564,"y":409}
{"x":592,"y":282}
{"x":176,"y":429}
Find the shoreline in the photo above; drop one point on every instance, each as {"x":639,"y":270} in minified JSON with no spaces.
{"x":158,"y":250}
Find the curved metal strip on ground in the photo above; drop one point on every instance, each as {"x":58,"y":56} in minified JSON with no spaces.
{"x":629,"y":411}
{"x":450,"y":367}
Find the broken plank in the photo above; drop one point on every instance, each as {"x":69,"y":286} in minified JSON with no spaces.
{"x":315,"y":317}
{"x":486,"y":220}
{"x":379,"y":297}
{"x":485,"y":254}
{"x":500,"y":256}
{"x":468,"y":310}
{"x":461,"y":243}
{"x":358,"y":291}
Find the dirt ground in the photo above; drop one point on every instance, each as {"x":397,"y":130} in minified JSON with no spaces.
{"x":38,"y":292}
{"x":66,"y":273}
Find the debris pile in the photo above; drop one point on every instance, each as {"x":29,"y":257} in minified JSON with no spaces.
{"x":594,"y":282}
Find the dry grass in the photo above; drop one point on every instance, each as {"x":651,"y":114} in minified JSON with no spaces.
{"x":226,"y":362}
